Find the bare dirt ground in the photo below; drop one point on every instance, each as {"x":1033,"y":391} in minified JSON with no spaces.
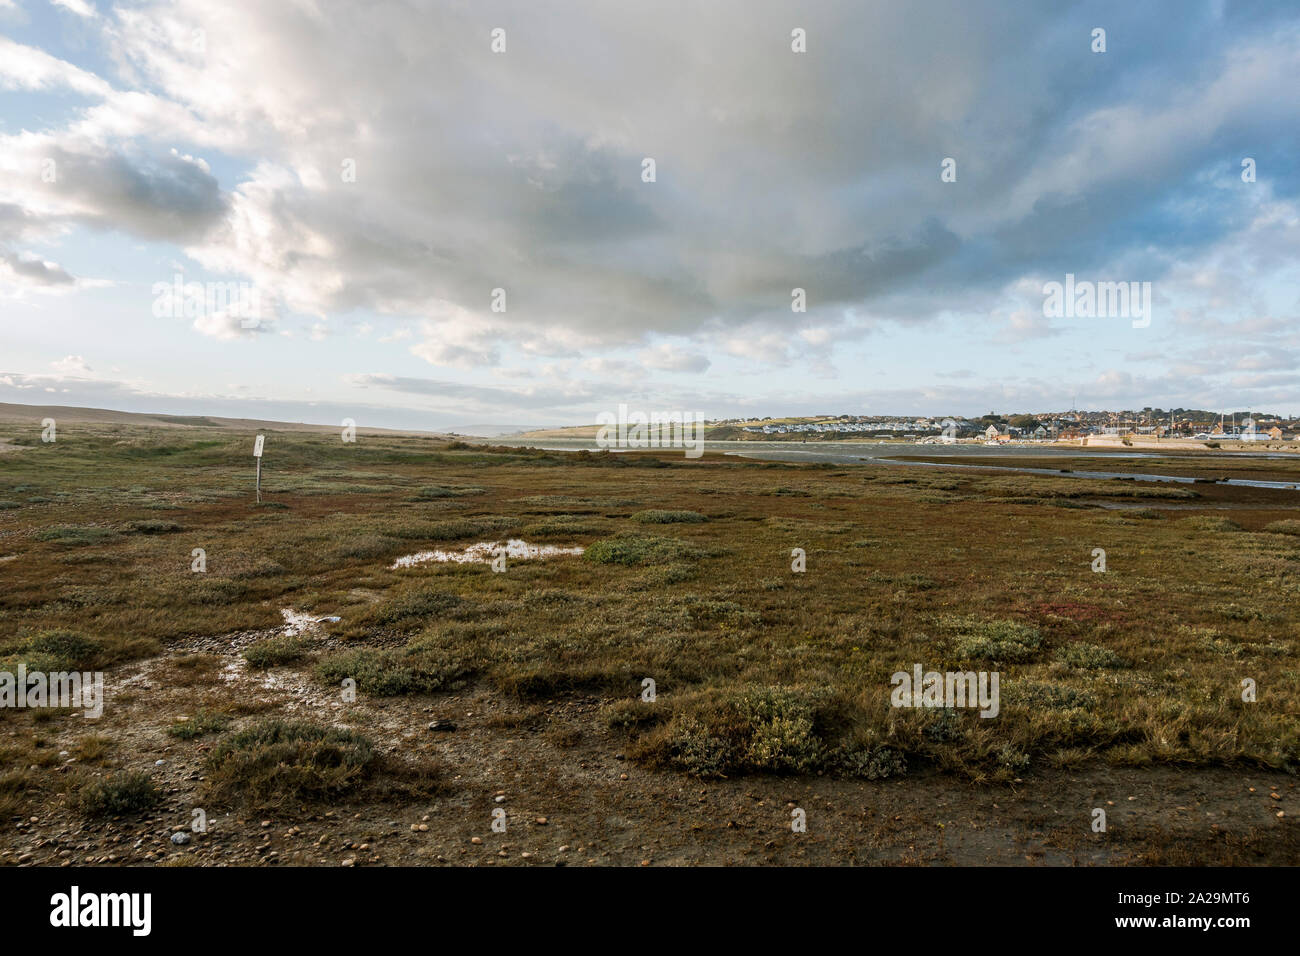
{"x":571,"y":798}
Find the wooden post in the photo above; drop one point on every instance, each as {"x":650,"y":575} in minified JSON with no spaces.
{"x":257,"y":453}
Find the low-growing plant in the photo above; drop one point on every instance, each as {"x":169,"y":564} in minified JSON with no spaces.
{"x":633,"y":549}
{"x":276,"y":761}
{"x":659,"y":516}
{"x":974,"y":638}
{"x":275,"y":651}
{"x":199,"y":725}
{"x":121,"y":793}
{"x":1090,"y":656}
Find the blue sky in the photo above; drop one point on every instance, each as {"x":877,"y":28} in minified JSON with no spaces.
{"x":211,"y":141}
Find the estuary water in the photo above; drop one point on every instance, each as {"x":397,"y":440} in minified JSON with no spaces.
{"x":962,"y":456}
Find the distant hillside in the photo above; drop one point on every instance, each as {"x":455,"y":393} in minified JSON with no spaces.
{"x":31,"y":416}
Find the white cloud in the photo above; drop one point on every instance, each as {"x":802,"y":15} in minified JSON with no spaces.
{"x":80,"y":7}
{"x":71,"y":365}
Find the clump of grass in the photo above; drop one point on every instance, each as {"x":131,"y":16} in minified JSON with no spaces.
{"x":62,"y":651}
{"x":454,"y":529}
{"x":15,"y":788}
{"x":1090,"y":656}
{"x":200,"y":725}
{"x":404,"y":609}
{"x":692,"y":613}
{"x":276,"y":761}
{"x":560,"y":526}
{"x":776,"y":729}
{"x":418,"y":668}
{"x":433,"y":492}
{"x":630,"y":714}
{"x":153,"y":526}
{"x":414,"y":602}
{"x":660,"y":516}
{"x":634,"y":549}
{"x":275,"y":651}
{"x":367,"y":546}
{"x":1289,"y":526}
{"x":93,"y":748}
{"x":191,"y":670}
{"x":9,"y":505}
{"x":993,"y":640}
{"x":1211,"y":523}
{"x":128,"y":792}
{"x":1210,"y":640}
{"x":1048,"y":696}
{"x":75,"y":536}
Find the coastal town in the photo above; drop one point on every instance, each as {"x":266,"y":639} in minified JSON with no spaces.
{"x":1081,"y":426}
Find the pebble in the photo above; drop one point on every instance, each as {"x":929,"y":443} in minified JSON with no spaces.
{"x":477,"y":841}
{"x":541,"y":821}
{"x":180,"y":838}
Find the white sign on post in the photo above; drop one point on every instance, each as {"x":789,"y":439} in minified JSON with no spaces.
{"x":257,"y":453}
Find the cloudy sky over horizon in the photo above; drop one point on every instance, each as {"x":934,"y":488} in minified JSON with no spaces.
{"x":376,"y":170}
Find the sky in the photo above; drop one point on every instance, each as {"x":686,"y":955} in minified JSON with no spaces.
{"x":369,"y":175}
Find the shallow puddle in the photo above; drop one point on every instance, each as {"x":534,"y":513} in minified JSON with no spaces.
{"x":484,"y":551}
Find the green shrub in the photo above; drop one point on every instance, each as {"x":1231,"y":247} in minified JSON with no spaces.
{"x":414,"y":603}
{"x":975,"y":638}
{"x":1090,"y":656}
{"x":118,"y":794}
{"x":656,"y":516}
{"x":153,"y":527}
{"x":275,"y":651}
{"x":201,"y":724}
{"x":76,"y":536}
{"x":760,"y":730}
{"x":632,"y":549}
{"x":432,"y":492}
{"x":65,"y":650}
{"x":275,"y":761}
{"x":417,"y":668}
